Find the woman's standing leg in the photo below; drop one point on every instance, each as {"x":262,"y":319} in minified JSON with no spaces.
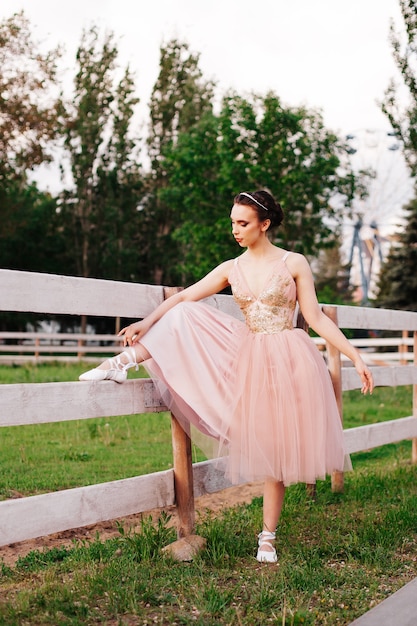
{"x":274,"y":492}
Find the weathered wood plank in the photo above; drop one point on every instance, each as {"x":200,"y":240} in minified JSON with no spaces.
{"x":384,"y":376}
{"x":61,"y":349}
{"x":414,"y":443}
{"x":374,"y":435}
{"x":37,"y":516}
{"x":374,"y":319}
{"x":51,"y":293}
{"x":51,"y":337}
{"x":226,"y":304}
{"x":221,"y":302}
{"x":48,"y":402}
{"x":23,"y":359}
{"x":30,"y":403}
{"x":399,"y":609}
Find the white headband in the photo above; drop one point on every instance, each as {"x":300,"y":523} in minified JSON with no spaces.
{"x":243,"y":193}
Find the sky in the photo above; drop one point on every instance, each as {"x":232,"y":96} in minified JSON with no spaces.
{"x":331,"y":55}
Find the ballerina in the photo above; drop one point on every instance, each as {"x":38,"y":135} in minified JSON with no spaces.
{"x":259,"y":388}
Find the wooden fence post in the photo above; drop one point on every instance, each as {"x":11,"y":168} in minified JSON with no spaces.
{"x":403,"y":350}
{"x":80,"y":344}
{"x":183,"y":466}
{"x":335,"y":369}
{"x":414,"y":443}
{"x":183,"y":479}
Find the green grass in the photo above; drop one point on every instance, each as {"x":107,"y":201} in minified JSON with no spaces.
{"x":338,"y":556}
{"x":49,"y":457}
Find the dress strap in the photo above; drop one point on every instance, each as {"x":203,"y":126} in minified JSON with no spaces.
{"x":284,"y":258}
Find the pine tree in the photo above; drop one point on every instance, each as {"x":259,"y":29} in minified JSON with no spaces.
{"x":398,"y":279}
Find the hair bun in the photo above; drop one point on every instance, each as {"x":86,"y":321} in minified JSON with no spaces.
{"x":264,"y":204}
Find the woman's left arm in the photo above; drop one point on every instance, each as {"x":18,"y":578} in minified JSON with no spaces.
{"x":319,"y":322}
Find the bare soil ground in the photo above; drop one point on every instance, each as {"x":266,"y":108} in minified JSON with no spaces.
{"x":215,"y":502}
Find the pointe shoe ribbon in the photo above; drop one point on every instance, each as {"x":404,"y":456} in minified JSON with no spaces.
{"x":117,"y":370}
{"x":264,"y":540}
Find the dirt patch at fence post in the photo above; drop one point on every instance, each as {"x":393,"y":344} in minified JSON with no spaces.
{"x":214,"y":502}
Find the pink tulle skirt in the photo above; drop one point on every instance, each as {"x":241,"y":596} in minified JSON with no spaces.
{"x":265,"y":400}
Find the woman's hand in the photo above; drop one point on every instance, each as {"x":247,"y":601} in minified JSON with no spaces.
{"x":365,"y":374}
{"x":133,"y":333}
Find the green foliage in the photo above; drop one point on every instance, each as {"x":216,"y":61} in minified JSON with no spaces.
{"x":29,"y":105}
{"x":168,"y":224}
{"x":253,"y":143}
{"x":30,"y":237}
{"x":30,"y":121}
{"x":398,"y":281}
{"x":304,"y":165}
{"x":403,"y":119}
{"x":180,"y":99}
{"x":398,"y":277}
{"x":100,"y":213}
{"x":146,"y":542}
{"x":201,"y":230}
{"x":331,"y":277}
{"x":35,"y":560}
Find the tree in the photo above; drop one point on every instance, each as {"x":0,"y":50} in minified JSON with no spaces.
{"x":253,"y":143}
{"x":120,"y":190}
{"x":193,"y":191}
{"x":331,"y":277}
{"x":100,"y":211}
{"x":398,"y":278}
{"x":29,"y":104}
{"x":403,"y":119}
{"x":30,"y":110}
{"x":305,"y":166}
{"x":180,"y":99}
{"x":30,"y":237}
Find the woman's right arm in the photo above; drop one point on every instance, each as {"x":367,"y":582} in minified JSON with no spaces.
{"x":212,"y":283}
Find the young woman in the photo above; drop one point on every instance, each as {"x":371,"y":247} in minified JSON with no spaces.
{"x":260,"y":387}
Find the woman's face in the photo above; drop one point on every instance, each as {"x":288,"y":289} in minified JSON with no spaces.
{"x":246,"y":227}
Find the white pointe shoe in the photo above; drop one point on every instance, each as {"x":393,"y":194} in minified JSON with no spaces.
{"x":117,"y":370}
{"x":264,"y":540}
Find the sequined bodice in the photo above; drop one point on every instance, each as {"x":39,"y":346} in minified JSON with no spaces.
{"x":273,"y":310}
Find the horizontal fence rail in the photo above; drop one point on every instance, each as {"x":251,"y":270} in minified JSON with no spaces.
{"x":30,"y":403}
{"x":18,"y":347}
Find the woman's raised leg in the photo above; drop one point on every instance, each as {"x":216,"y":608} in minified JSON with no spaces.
{"x":116,"y":367}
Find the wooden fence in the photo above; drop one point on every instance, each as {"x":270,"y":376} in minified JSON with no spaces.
{"x":38,"y":347}
{"x":40,"y":515}
{"x":41,"y":347}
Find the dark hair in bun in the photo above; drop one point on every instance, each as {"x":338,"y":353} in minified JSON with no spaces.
{"x":264,"y":204}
